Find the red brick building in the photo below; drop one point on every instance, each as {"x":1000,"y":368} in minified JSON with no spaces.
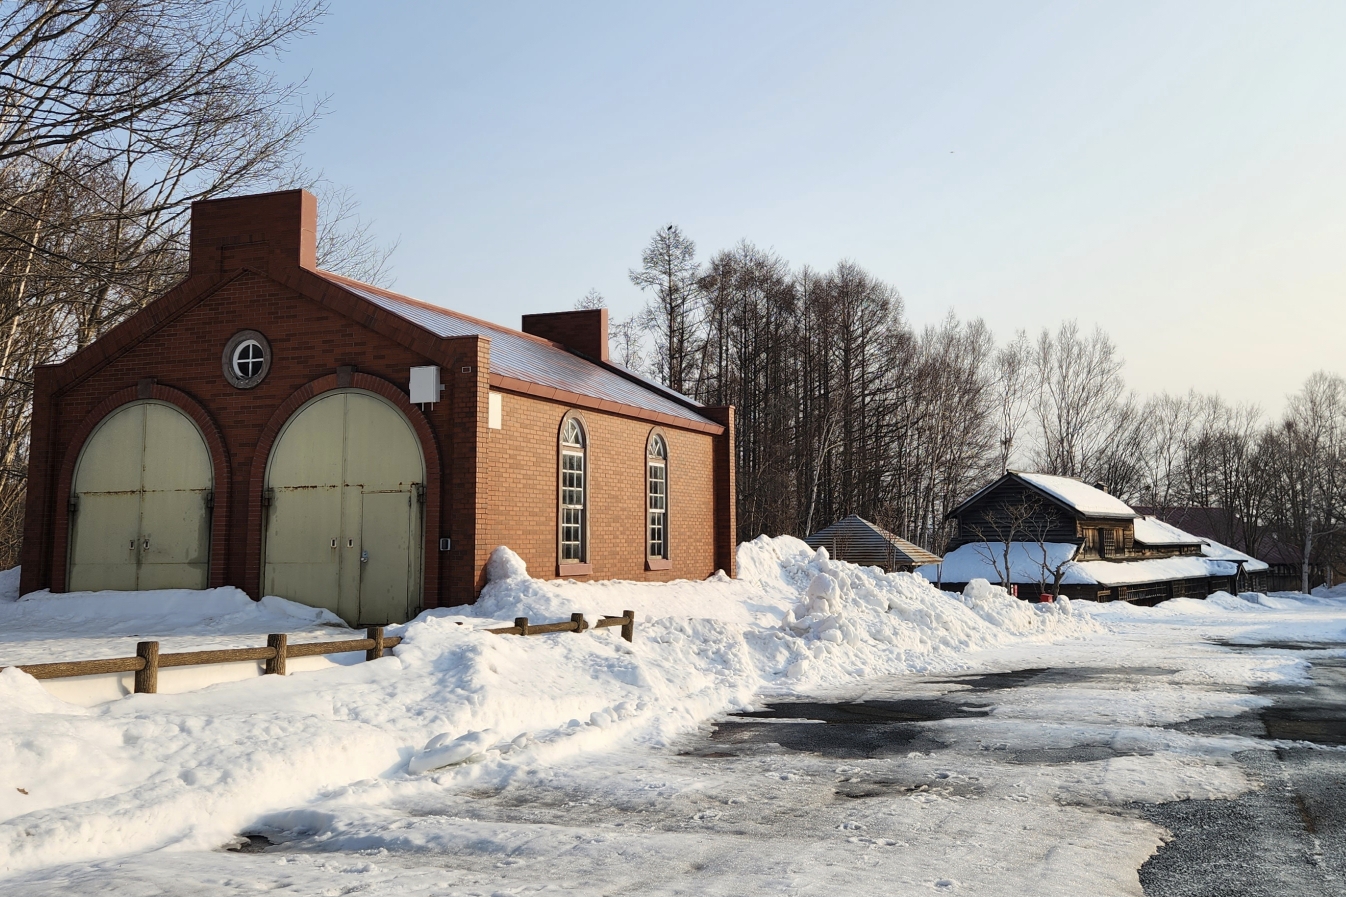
{"x":288,"y":431}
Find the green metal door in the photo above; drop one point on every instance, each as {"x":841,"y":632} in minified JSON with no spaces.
{"x":141,"y":503}
{"x":385,"y":549}
{"x":340,"y":467}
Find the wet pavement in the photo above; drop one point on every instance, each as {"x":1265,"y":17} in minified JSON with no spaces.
{"x":1289,"y":836}
{"x":1286,"y":837}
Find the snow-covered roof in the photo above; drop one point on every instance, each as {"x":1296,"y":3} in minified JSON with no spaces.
{"x":981,"y":560}
{"x":1126,"y":573}
{"x":531,"y":358}
{"x":1215,"y":550}
{"x":1085,"y":499}
{"x":1153,"y":531}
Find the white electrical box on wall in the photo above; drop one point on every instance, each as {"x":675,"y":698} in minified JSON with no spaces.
{"x":494,"y":410}
{"x":425,"y":385}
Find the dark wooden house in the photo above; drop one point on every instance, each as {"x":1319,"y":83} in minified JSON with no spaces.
{"x":1060,"y":533}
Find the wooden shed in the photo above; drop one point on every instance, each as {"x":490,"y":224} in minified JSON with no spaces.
{"x":856,"y":540}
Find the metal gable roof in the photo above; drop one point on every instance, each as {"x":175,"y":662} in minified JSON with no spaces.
{"x":532,"y":359}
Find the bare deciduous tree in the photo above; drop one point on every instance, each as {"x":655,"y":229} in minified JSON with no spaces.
{"x":114,"y":119}
{"x":670,"y":272}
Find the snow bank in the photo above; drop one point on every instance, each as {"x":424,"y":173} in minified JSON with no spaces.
{"x":191,"y":770}
{"x":814,"y":621}
{"x":41,"y":626}
{"x":9,"y":584}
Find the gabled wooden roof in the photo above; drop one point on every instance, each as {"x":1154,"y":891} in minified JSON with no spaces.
{"x":868,"y":544}
{"x":1075,"y":496}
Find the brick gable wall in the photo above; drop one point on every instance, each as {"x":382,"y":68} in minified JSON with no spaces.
{"x":308,"y":342}
{"x":493,"y":486}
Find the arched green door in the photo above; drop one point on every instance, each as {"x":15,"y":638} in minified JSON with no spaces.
{"x":343,"y":527}
{"x":141,"y":503}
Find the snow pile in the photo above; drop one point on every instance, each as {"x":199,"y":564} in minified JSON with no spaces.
{"x":817,"y":621}
{"x":191,"y":770}
{"x":9,"y":584}
{"x":42,"y":627}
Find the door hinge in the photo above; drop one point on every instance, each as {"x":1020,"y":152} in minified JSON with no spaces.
{"x":210,"y":499}
{"x":74,"y":504}
{"x":268,"y":496}
{"x":420,"y":493}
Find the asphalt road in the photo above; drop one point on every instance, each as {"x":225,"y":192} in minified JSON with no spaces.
{"x":1289,"y":836}
{"x":1286,"y":838}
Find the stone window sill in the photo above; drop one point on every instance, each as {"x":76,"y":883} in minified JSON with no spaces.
{"x":658,"y":564}
{"x":574,"y":569}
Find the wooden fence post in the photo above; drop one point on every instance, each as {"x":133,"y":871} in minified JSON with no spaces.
{"x":522,"y":623}
{"x":581,"y":624}
{"x":276,"y":665}
{"x":147,"y":677}
{"x":374,"y":634}
{"x":629,"y":627}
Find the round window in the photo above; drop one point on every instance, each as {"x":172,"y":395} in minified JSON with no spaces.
{"x":247,"y":358}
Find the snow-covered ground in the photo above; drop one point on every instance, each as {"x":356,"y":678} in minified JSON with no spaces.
{"x":470,"y":763}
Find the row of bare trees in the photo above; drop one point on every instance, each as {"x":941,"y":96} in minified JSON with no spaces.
{"x":114,"y":118}
{"x":1276,"y":486}
{"x":845,"y":407}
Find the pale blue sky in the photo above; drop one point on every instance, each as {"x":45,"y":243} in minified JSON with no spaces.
{"x":1174,"y":172}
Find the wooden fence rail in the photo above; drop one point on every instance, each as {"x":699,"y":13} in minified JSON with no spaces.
{"x":148,"y":661}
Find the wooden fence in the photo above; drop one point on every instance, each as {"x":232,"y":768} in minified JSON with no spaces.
{"x":148,"y":661}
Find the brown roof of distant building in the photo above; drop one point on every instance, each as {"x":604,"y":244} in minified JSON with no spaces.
{"x":857,"y":540}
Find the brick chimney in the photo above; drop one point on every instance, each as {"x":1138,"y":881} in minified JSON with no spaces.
{"x":258,"y":231}
{"x":583,"y":331}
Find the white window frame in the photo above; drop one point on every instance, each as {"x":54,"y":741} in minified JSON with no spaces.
{"x":258,"y":360}
{"x":656,"y":498}
{"x":573,"y":480}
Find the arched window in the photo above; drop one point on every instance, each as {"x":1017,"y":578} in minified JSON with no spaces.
{"x":574,"y":547}
{"x":656,"y":498}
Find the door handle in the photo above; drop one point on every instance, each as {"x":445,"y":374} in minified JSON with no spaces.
{"x":364,"y":557}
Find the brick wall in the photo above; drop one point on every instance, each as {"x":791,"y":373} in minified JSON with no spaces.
{"x":584,"y":330}
{"x":523,"y":492}
{"x":309,"y":342}
{"x":489,"y":487}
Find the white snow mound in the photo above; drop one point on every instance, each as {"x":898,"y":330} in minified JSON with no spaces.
{"x":189,"y":771}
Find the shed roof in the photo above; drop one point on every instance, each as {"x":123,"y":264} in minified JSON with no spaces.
{"x":867,"y":543}
{"x":1153,"y":531}
{"x":530,"y":358}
